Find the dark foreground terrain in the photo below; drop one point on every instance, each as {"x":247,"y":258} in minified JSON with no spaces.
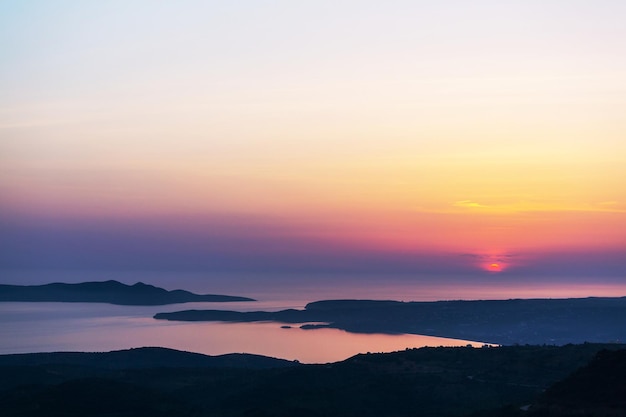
{"x":545,"y":380}
{"x":505,"y":322}
{"x":112,"y":292}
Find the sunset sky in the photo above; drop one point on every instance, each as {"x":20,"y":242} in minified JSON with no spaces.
{"x":457,"y":137}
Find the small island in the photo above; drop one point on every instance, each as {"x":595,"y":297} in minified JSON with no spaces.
{"x":111,"y":292}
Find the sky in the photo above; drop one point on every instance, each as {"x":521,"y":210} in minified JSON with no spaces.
{"x":449,"y":137}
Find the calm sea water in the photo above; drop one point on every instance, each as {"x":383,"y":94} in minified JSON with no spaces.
{"x":46,"y":327}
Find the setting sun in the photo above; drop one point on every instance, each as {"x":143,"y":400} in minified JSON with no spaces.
{"x":494,"y":267}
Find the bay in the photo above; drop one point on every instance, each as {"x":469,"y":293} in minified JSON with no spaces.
{"x":47,"y":327}
{"x":87,"y":327}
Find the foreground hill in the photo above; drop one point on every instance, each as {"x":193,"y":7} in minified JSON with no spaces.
{"x":598,"y":389}
{"x":441,"y":382}
{"x":112,"y":292}
{"x":535,"y":321}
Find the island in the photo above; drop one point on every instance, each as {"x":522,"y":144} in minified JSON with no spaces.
{"x":111,"y":292}
{"x":505,"y":322}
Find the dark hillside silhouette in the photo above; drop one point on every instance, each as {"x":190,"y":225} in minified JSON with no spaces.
{"x":428,"y":382}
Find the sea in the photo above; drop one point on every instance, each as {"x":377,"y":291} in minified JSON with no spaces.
{"x":97,"y":327}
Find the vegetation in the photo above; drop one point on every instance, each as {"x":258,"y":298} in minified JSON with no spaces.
{"x":416,"y":382}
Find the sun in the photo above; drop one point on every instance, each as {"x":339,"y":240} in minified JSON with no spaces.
{"x":494,"y":267}
{"x":494,"y":262}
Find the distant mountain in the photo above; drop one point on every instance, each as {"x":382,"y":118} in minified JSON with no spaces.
{"x":112,"y":292}
{"x":507,"y":322}
{"x":426,"y":382}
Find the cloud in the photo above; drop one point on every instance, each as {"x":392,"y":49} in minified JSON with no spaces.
{"x":238,"y":243}
{"x":483,"y":257}
{"x":530,"y":206}
{"x":468,"y":204}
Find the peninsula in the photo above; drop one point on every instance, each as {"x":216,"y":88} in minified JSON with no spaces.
{"x":506,"y":322}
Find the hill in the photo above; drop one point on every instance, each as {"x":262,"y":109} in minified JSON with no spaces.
{"x":597,"y":389}
{"x":443,"y":382}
